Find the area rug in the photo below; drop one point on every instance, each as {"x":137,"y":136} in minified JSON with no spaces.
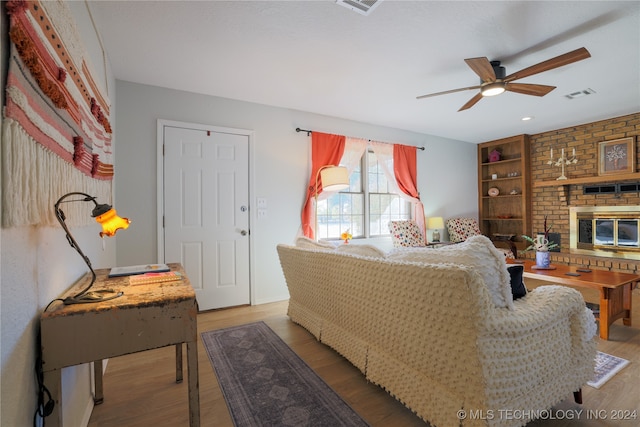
{"x":266,"y":384}
{"x":606,"y":367}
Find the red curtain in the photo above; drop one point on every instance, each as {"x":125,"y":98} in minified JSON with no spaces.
{"x":405,"y":169}
{"x":326,"y":149}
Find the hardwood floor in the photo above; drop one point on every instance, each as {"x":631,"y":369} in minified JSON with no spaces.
{"x":140,"y":389}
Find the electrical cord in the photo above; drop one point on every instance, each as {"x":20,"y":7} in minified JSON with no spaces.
{"x":43,"y":408}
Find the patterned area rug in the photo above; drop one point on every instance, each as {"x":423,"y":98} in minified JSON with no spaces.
{"x":606,"y":367}
{"x":266,"y":384}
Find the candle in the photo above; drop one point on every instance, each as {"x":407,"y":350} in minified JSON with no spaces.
{"x":562,"y":154}
{"x":574,"y":151}
{"x":551,"y":154}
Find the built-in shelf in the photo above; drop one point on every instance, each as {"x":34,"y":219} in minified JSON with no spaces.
{"x":501,"y":197}
{"x":506,"y":213}
{"x":515,"y":159}
{"x":588,"y":180}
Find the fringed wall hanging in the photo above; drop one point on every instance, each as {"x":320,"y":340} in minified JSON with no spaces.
{"x":56,"y":134}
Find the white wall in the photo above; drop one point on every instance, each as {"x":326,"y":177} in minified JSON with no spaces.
{"x":447,"y":171}
{"x":37,"y":265}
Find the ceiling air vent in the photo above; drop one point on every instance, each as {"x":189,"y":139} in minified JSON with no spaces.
{"x":363,"y":7}
{"x":580,"y":93}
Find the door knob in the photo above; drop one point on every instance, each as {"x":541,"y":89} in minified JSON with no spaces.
{"x":244,"y":232}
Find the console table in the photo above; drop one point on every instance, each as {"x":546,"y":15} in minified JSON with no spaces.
{"x":146,"y":317}
{"x":615,"y":289}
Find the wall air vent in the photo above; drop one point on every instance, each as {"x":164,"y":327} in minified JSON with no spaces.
{"x":580,"y":93}
{"x":599,"y":189}
{"x":363,"y":7}
{"x":632,"y":187}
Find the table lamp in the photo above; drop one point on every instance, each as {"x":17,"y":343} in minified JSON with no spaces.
{"x":111,"y":223}
{"x":435,"y":223}
{"x":333,"y":178}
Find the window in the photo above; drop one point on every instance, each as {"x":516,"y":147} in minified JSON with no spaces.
{"x":365,"y":208}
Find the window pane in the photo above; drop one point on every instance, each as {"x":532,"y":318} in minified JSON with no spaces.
{"x":604,"y":232}
{"x":355,"y":181}
{"x":384,"y":208}
{"x":628,"y":233}
{"x":347,"y":211}
{"x":339,"y":213}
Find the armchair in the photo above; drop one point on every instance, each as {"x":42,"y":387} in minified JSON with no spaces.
{"x":406,"y":233}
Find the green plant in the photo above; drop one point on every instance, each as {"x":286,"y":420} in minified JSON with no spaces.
{"x":535,"y":245}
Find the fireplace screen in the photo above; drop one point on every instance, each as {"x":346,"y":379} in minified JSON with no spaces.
{"x":608,"y":232}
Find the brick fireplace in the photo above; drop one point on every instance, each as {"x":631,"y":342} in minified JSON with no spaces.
{"x":556,"y":201}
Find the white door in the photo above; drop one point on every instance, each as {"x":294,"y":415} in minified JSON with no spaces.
{"x":206,"y":212}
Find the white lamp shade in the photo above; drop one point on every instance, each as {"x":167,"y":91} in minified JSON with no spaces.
{"x":334,"y":178}
{"x":435,"y":222}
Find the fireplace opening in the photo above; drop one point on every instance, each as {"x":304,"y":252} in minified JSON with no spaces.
{"x":612,"y":231}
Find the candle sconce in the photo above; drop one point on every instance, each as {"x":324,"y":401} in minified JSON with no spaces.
{"x":562,"y":161}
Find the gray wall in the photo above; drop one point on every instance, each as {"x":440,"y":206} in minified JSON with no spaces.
{"x":447,"y":171}
{"x":37,"y":266}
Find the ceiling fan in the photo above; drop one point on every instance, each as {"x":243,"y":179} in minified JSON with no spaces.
{"x":494,"y":82}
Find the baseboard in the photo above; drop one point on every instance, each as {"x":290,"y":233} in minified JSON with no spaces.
{"x":270,"y":300}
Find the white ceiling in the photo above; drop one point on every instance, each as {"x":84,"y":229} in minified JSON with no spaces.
{"x":320,"y":57}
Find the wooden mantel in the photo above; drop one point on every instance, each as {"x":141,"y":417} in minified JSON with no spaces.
{"x":589,"y":180}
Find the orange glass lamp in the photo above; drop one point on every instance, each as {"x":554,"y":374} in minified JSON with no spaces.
{"x":106,"y":216}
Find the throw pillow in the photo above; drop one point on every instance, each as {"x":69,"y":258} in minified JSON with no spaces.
{"x":406,"y":233}
{"x":362,"y":250}
{"x":307,"y":243}
{"x":518,"y":289}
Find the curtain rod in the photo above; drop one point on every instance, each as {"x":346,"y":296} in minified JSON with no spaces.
{"x":310,"y":131}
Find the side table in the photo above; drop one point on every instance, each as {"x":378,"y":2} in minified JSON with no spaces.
{"x":146,"y":317}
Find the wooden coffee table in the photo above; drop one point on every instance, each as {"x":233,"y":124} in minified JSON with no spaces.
{"x":615,"y":289}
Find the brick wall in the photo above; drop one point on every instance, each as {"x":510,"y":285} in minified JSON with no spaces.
{"x":555,"y":201}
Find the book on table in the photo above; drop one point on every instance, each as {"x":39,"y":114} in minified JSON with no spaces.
{"x":152,"y":278}
{"x":138,"y":269}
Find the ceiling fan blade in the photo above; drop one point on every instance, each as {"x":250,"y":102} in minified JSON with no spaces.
{"x":529,"y":89}
{"x":447,"y":91}
{"x":482,"y":67}
{"x":471,"y":102}
{"x":550,"y":64}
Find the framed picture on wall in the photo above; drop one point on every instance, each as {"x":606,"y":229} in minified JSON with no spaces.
{"x":617,"y":156}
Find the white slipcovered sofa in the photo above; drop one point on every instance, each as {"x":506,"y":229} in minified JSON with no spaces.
{"x":440,"y":331}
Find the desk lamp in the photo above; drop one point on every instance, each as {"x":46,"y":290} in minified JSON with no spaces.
{"x":333,"y":178}
{"x":111,"y":222}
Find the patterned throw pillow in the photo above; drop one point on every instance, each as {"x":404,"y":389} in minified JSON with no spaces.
{"x":460,"y":229}
{"x":406,"y":233}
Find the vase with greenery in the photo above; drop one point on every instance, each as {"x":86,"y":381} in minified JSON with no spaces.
{"x":542,"y":246}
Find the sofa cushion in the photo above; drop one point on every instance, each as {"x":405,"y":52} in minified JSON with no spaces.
{"x":307,"y":243}
{"x":476,"y":252}
{"x":362,"y":250}
{"x":518,"y":289}
{"x":406,"y":233}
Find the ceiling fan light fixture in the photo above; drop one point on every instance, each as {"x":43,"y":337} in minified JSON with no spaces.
{"x":493,"y":89}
